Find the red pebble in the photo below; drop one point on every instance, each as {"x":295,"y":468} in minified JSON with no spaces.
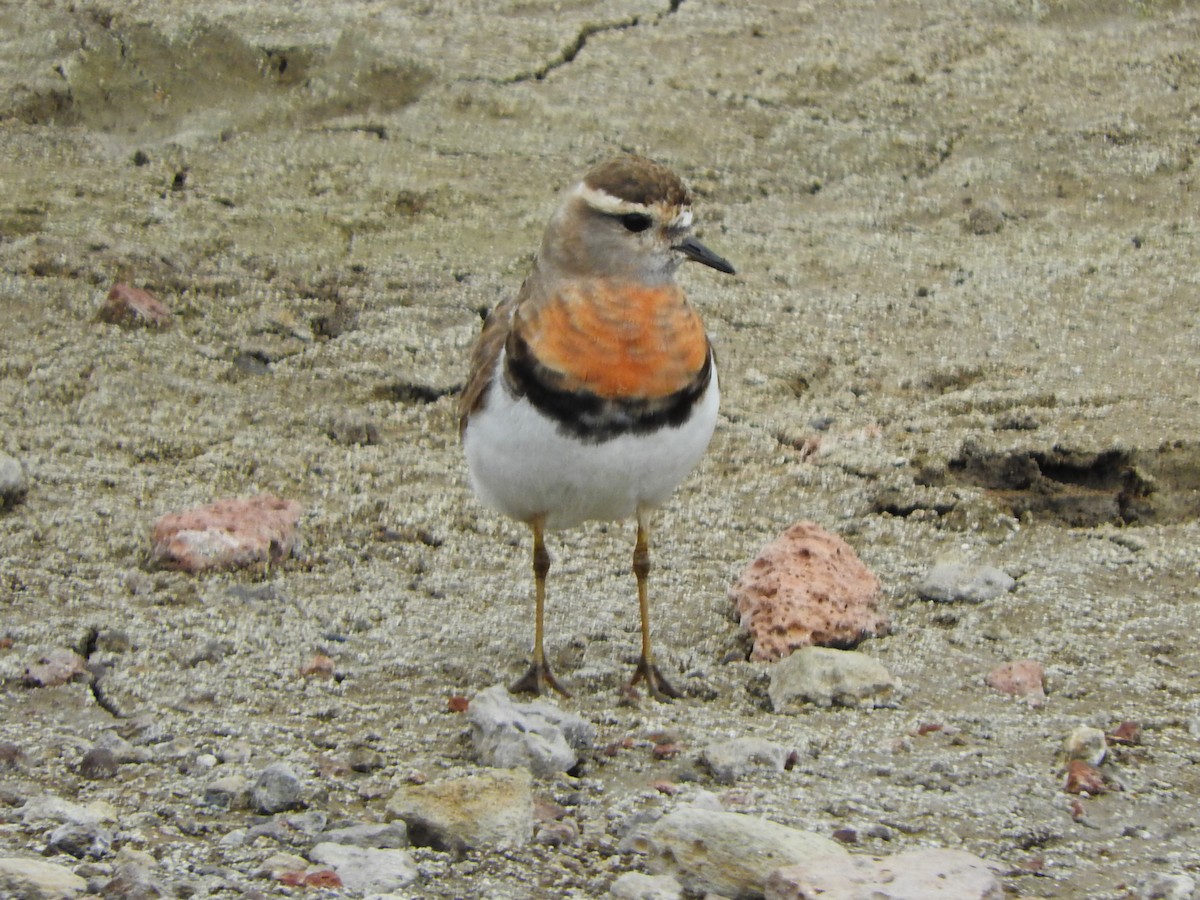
{"x":128,"y":306}
{"x":1125,"y":733}
{"x":846,"y":835}
{"x":320,"y":666}
{"x":1020,"y":678}
{"x":1084,"y":779}
{"x":458,"y":704}
{"x":929,"y":728}
{"x":227,"y":534}
{"x":322,"y":878}
{"x":669,"y":788}
{"x":666,"y":751}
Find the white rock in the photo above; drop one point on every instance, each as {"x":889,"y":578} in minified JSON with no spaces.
{"x":34,"y":879}
{"x":636,"y":886}
{"x":538,"y":736}
{"x":924,"y":874}
{"x":825,"y":676}
{"x":729,"y":853}
{"x":949,"y":582}
{"x":493,"y":808}
{"x":49,"y":808}
{"x":1166,"y":887}
{"x":731,"y":760}
{"x":1086,"y":743}
{"x":367,"y":868}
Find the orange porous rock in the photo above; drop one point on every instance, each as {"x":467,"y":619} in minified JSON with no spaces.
{"x":807,"y":587}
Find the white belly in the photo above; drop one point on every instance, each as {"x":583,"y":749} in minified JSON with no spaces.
{"x":524,"y":467}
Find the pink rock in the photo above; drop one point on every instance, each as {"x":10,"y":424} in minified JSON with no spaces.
{"x":807,"y":587}
{"x":924,"y":874}
{"x":58,"y":667}
{"x":227,"y":534}
{"x":128,"y":305}
{"x":1020,"y":678}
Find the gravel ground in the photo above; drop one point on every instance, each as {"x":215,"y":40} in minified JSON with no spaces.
{"x":964,"y":328}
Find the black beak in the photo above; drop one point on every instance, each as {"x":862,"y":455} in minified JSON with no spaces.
{"x":694,"y":250}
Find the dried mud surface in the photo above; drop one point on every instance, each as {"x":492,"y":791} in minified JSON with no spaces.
{"x":964,"y":326}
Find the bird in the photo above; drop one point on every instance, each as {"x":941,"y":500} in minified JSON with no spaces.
{"x":593,"y":390}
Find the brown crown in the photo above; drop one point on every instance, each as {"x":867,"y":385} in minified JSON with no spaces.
{"x":638,"y":180}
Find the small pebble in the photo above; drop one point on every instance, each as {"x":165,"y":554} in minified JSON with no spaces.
{"x":276,"y":789}
{"x":741,"y":757}
{"x":636,"y":886}
{"x":57,"y":667}
{"x":827,"y":677}
{"x":1024,"y":678}
{"x":1084,"y":779}
{"x":227,"y":534}
{"x":14,"y":485}
{"x":956,"y":582}
{"x":82,"y":840}
{"x":130,"y":306}
{"x":367,"y":870}
{"x":320,"y":666}
{"x":98,"y":763}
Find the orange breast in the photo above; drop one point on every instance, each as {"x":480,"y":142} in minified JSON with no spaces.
{"x":617,"y":340}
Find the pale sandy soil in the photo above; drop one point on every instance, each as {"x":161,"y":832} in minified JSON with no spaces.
{"x":966,"y":237}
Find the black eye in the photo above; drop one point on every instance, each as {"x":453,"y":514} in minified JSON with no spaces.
{"x":636,"y":222}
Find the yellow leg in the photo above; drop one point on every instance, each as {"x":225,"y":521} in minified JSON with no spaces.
{"x":539,"y":677}
{"x":646,"y":670}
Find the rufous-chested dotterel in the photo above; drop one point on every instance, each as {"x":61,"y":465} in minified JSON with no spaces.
{"x":593,"y":392}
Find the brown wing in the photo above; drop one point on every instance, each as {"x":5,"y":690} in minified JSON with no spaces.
{"x":483,"y":358}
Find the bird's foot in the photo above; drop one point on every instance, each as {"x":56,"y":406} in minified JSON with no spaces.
{"x":656,"y":683}
{"x":537,"y":680}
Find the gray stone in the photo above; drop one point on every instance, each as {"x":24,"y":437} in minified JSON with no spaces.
{"x":309,"y":823}
{"x":1166,"y":887}
{"x":35,"y":879}
{"x":381,"y":836}
{"x":14,"y":484}
{"x":123,"y":751}
{"x":98,"y":764}
{"x":228,"y":792}
{"x":636,"y":886}
{"x":922,"y":874}
{"x":731,"y":760}
{"x":90,"y":841}
{"x":825,"y":676}
{"x":276,"y":789}
{"x":493,"y":808}
{"x":728,"y":853}
{"x":538,"y":736}
{"x":952,"y":582}
{"x":132,"y":881}
{"x":367,"y":868}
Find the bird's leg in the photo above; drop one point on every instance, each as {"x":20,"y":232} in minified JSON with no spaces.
{"x":646,"y":671}
{"x":539,"y":677}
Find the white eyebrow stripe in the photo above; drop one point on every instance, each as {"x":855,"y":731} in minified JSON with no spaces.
{"x":603,"y":201}
{"x":683,"y":221}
